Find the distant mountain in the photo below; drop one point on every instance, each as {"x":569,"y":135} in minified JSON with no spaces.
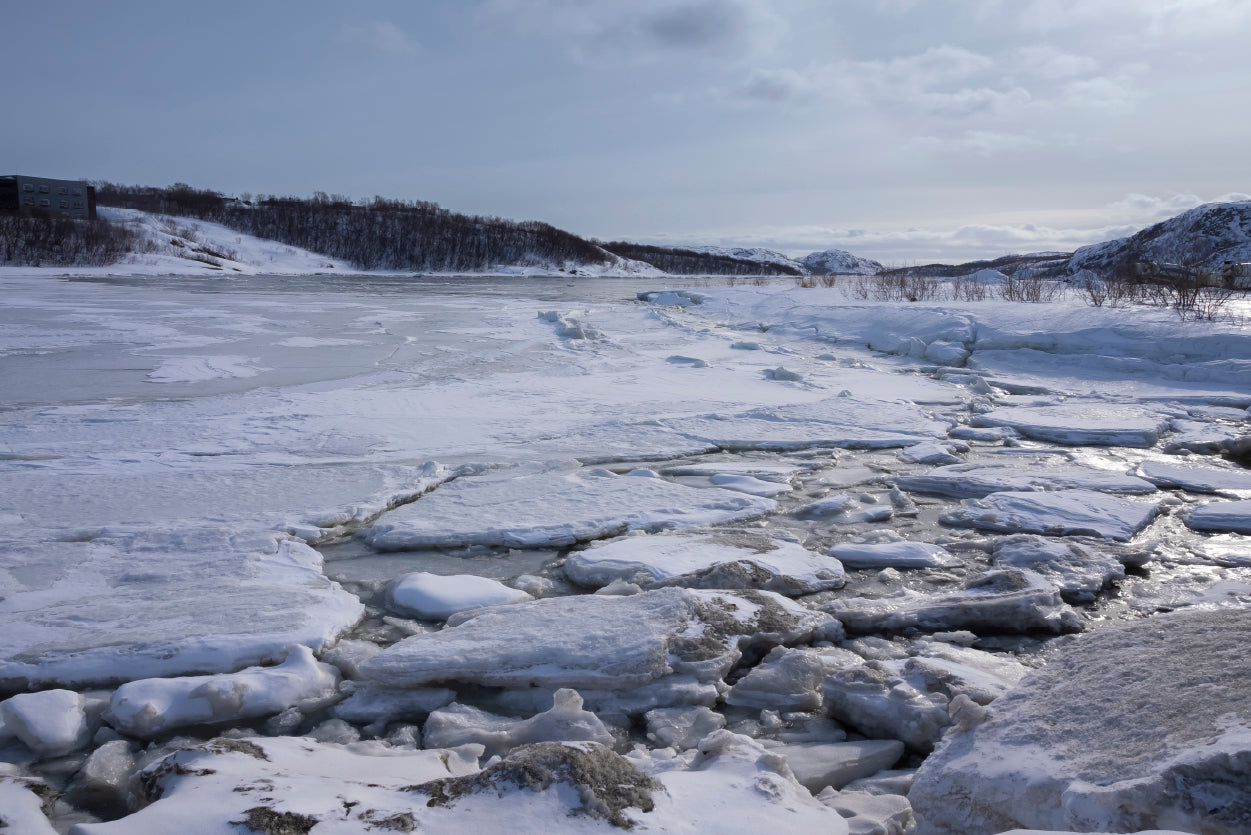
{"x":839,"y":262}
{"x":770,"y":257}
{"x":1206,"y":238}
{"x":1040,"y":264}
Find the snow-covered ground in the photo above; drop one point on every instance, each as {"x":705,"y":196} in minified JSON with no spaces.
{"x":357,"y":553}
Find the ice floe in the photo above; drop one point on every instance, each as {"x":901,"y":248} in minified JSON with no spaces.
{"x":726,"y":559}
{"x":1206,"y":478}
{"x":149,"y":707}
{"x":974,"y":481}
{"x":1134,"y":726}
{"x":596,"y":642}
{"x":1081,"y":423}
{"x":128,"y":603}
{"x":552,"y":509}
{"x":1230,"y":517}
{"x":50,"y":722}
{"x":457,"y":724}
{"x":893,"y":555}
{"x":1009,"y":600}
{"x":1058,"y":513}
{"x":1079,"y":570}
{"x":437,"y":597}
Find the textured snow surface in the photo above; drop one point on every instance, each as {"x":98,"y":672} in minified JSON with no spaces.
{"x":728,"y":559}
{"x":1135,"y":726}
{"x":1234,"y":517}
{"x":1205,"y":478}
{"x":552,"y":509}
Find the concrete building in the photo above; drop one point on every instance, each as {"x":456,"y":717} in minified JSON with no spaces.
{"x":72,"y":198}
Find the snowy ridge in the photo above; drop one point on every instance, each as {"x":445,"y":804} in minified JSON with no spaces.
{"x":1207,"y":238}
{"x":839,"y":262}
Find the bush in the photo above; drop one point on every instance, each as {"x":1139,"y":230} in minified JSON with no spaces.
{"x":42,"y":240}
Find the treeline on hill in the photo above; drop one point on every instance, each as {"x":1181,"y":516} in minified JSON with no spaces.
{"x":691,"y":262}
{"x":39,"y":239}
{"x":381,"y":234}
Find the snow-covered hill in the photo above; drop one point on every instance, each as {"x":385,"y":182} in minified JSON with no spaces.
{"x":839,"y":262}
{"x":1207,"y":238}
{"x":767,"y":257}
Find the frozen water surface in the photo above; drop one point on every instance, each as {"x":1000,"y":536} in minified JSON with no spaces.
{"x":197,"y":477}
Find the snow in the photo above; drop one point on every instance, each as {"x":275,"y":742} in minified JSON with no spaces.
{"x":1058,"y":513}
{"x":575,"y":507}
{"x":723,"y":560}
{"x":433,"y":597}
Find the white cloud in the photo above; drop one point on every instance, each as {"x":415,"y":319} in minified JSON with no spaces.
{"x":376,"y":36}
{"x":1045,"y":61}
{"x":980,"y":142}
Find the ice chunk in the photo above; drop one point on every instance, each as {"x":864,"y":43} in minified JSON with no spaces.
{"x":784,"y":375}
{"x":436,"y":597}
{"x":750,"y":485}
{"x":104,"y":778}
{"x":1227,"y":481}
{"x":787,"y":679}
{"x":129,"y":603}
{"x":149,"y":707}
{"x":1059,"y":513}
{"x":459,"y":724}
{"x":818,"y":765}
{"x":725,"y":559}
{"x":367,"y":702}
{"x":589,"y":641}
{"x":894,"y":555}
{"x":1081,"y":423}
{"x":1009,"y":600}
{"x":974,"y":481}
{"x":51,"y":722}
{"x":1080,"y":572}
{"x":931,"y":452}
{"x":682,"y":727}
{"x":574,"y":507}
{"x":1230,"y":517}
{"x":829,"y":506}
{"x":946,"y":353}
{"x":780,"y":473}
{"x":1109,"y":736}
{"x":871,"y":814}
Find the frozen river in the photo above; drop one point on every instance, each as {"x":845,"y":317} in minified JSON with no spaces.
{"x":817,"y":522}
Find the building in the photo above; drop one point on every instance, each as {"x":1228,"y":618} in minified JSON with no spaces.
{"x":72,"y":198}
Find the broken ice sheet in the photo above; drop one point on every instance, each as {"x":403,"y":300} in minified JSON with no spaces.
{"x":724,"y":559}
{"x":972,"y":481}
{"x":1209,"y":477}
{"x":1081,"y":423}
{"x":1058,"y":513}
{"x":847,"y":422}
{"x":597,"y":642}
{"x":552,"y":509}
{"x":127,"y":603}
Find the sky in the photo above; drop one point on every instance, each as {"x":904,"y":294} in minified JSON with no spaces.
{"x":902,"y":130}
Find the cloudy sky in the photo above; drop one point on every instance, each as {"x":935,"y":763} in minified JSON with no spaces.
{"x":903,"y":130}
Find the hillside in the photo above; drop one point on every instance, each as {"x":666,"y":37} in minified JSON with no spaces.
{"x":1209,"y":238}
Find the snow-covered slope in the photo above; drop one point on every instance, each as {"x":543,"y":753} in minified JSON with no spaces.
{"x":839,"y":262}
{"x":1204,"y":238}
{"x":768,"y":257}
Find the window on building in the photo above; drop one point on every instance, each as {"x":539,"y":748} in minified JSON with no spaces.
{"x":64,"y":204}
{"x":62,"y":190}
{"x":45,"y":202}
{"x":45,"y":190}
{"x":28,"y":187}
